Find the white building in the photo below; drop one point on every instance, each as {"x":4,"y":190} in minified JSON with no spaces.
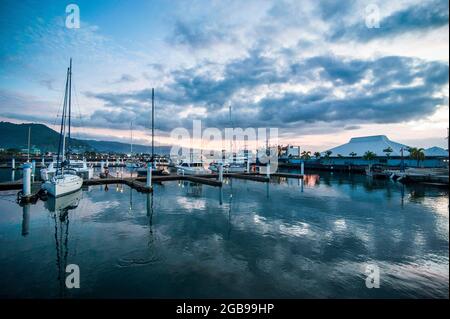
{"x":352,"y":153}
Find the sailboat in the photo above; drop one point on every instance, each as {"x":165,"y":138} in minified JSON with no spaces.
{"x":65,"y":180}
{"x":154,"y":160}
{"x":132,"y":163}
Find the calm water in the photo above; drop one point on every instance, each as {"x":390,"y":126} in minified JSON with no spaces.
{"x":248,"y":240}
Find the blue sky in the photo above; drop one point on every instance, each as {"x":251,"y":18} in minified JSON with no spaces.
{"x":311,"y":68}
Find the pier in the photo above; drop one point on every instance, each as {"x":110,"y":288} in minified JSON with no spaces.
{"x":139,"y":183}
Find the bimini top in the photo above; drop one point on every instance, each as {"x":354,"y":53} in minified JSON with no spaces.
{"x":375,"y":144}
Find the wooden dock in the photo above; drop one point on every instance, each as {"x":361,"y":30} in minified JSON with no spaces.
{"x":138,"y":183}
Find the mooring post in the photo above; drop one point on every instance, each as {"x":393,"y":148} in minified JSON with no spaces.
{"x":107,"y":163}
{"x":248,"y":165}
{"x":268,"y":170}
{"x":13,"y":163}
{"x":26,"y":186}
{"x":102,"y":168}
{"x":221,"y":172}
{"x":302,"y":168}
{"x":149,"y":175}
{"x":43,"y":161}
{"x":33,"y":169}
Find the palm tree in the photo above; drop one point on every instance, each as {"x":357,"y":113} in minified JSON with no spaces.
{"x":369,"y":156}
{"x":388,"y":152}
{"x":306,"y":155}
{"x":352,"y":154}
{"x":317,"y":155}
{"x":339,"y":155}
{"x":327,"y":155}
{"x":417,"y":154}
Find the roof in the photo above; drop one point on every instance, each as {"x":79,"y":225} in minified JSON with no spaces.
{"x":375,"y":144}
{"x":436,"y":151}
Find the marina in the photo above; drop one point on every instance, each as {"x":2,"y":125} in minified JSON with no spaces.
{"x":266,"y":240}
{"x":249,"y":151}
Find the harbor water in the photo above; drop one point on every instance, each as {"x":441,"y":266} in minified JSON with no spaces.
{"x":285,"y":239}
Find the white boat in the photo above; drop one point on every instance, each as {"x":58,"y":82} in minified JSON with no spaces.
{"x":132,"y":164}
{"x":79,"y":166}
{"x":237,"y":168}
{"x":65,"y":180}
{"x":214,"y":167}
{"x":68,"y":201}
{"x":191,"y":168}
{"x":62,"y":184}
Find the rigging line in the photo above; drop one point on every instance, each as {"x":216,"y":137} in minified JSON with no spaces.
{"x":77,"y":104}
{"x":60,"y":101}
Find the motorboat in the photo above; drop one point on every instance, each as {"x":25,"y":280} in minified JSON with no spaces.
{"x":191,"y":168}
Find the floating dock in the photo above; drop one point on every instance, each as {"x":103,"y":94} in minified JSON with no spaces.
{"x":139,"y":184}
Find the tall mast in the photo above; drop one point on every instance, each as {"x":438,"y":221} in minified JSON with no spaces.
{"x":153,"y":123}
{"x":131,"y":136}
{"x":70,"y":104}
{"x":61,"y":145}
{"x":63,"y":153}
{"x":29,"y":139}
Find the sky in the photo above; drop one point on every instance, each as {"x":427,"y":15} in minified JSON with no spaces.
{"x":312,"y":69}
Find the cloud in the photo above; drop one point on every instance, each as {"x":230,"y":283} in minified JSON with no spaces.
{"x":346,"y":91}
{"x":125,"y":78}
{"x":197,"y":34}
{"x":419,"y":17}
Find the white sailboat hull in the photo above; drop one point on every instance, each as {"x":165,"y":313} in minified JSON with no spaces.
{"x":63,"y":184}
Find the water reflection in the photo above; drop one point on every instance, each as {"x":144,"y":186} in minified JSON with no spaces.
{"x":25,"y":219}
{"x":289,"y":244}
{"x":60,"y":207}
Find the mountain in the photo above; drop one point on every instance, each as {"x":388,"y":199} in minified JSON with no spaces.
{"x":16,"y":136}
{"x":43,"y":137}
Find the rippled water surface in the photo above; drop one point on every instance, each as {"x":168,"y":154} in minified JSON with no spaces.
{"x":249,"y":239}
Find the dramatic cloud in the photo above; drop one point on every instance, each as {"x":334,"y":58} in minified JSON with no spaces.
{"x":385,"y":90}
{"x":421,"y":17}
{"x":306,"y":67}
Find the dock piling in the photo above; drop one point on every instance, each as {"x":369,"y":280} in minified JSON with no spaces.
{"x":148,"y":183}
{"x":13,"y":163}
{"x":33,"y":169}
{"x":26,"y":186}
{"x":220,"y":173}
{"x":268,"y":170}
{"x":302,"y":168}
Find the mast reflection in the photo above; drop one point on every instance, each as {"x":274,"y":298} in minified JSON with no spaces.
{"x":60,"y":207}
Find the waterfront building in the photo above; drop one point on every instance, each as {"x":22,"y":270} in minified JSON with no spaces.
{"x":387,"y":152}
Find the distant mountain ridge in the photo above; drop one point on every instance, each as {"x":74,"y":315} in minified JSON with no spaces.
{"x":46,"y":139}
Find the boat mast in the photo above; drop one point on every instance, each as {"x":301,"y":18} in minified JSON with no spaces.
{"x":61,"y":145}
{"x":131,"y":137}
{"x":29,"y":139}
{"x":153,"y":124}
{"x":70,"y":109}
